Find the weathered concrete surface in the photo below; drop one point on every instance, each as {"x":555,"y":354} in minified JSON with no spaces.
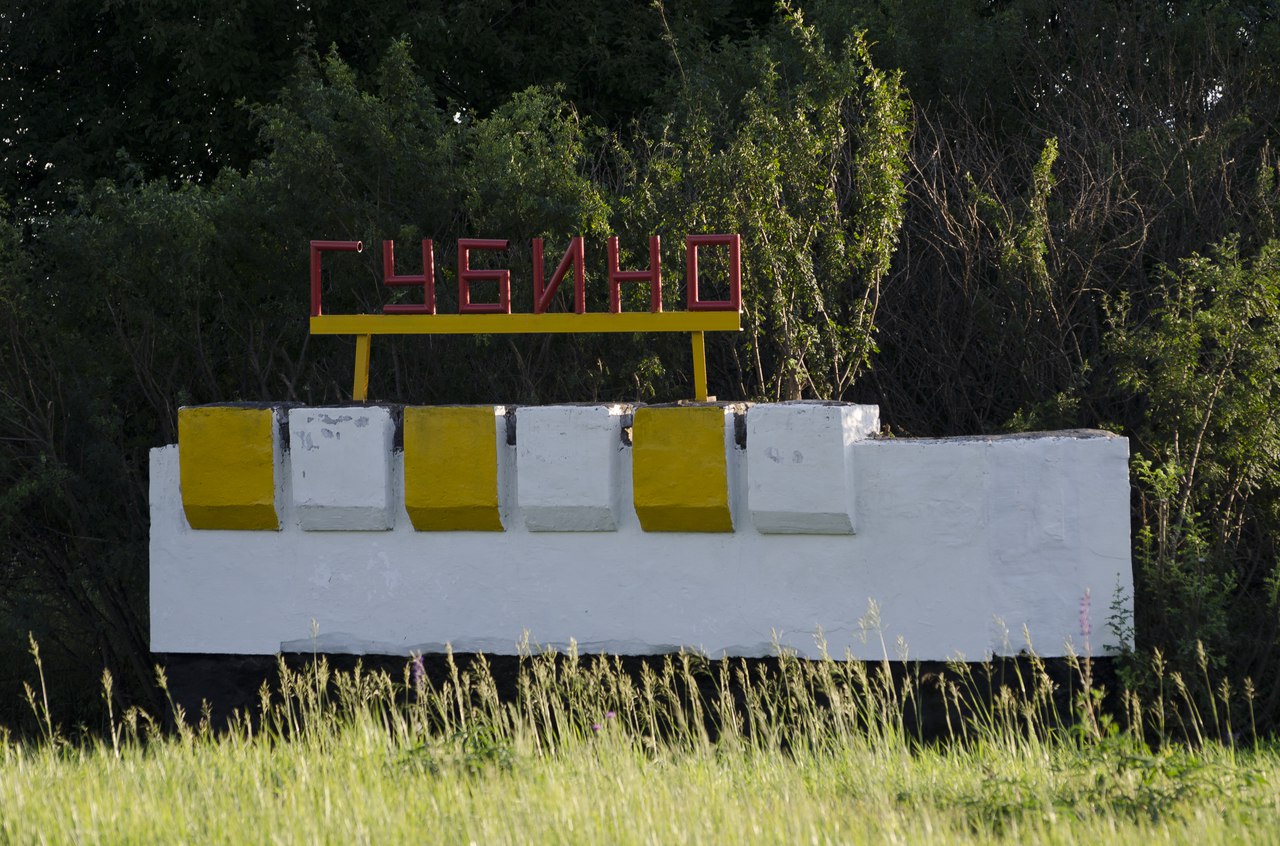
{"x":800,"y":465}
{"x":567,"y":460}
{"x":341,"y":468}
{"x":960,"y":543}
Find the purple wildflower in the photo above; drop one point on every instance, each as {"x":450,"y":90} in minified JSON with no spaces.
{"x":596,"y":727}
{"x":609,"y":715}
{"x":1086,"y":626}
{"x":419,"y":672}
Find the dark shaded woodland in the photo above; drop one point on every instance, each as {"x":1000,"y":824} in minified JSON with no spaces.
{"x":986,"y":216}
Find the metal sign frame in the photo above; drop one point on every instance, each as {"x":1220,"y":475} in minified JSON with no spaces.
{"x":495,"y":318}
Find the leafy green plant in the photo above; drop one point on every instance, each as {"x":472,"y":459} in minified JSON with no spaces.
{"x":800,"y":145}
{"x":1202,"y":354}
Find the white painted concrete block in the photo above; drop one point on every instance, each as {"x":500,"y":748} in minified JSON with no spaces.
{"x":341,"y":468}
{"x":799,"y":467}
{"x":567,"y":467}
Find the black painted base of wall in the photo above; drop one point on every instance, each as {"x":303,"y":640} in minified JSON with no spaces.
{"x":230,"y":683}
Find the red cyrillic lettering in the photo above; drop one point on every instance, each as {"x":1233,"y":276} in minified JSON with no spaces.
{"x":653,"y":276}
{"x":467,"y":275}
{"x":575,"y":256}
{"x":427,"y":280}
{"x":691,"y":245}
{"x":318,"y":247}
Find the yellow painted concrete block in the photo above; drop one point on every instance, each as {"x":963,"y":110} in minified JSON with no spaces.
{"x":227,"y":467}
{"x":679,"y":470}
{"x":451,"y":469}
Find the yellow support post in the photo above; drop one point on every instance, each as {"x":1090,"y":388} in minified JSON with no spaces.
{"x":360,"y":388}
{"x":699,"y":367}
{"x":365,"y":326}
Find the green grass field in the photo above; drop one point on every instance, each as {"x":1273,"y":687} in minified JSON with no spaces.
{"x":808,"y":753}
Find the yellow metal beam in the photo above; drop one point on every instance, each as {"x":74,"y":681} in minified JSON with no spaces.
{"x":517,"y":324}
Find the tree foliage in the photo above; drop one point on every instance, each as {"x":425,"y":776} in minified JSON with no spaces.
{"x":149,"y":294}
{"x":1206,"y":362}
{"x":801,"y":147}
{"x":1091,"y":208}
{"x":985,"y":216}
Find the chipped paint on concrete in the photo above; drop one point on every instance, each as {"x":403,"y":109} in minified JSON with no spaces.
{"x":341,"y":468}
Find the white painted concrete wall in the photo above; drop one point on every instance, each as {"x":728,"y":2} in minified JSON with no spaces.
{"x":959,"y":542}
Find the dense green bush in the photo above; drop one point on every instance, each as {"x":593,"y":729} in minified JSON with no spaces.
{"x":143,"y":296}
{"x":985,"y":216}
{"x":1205,"y":360}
